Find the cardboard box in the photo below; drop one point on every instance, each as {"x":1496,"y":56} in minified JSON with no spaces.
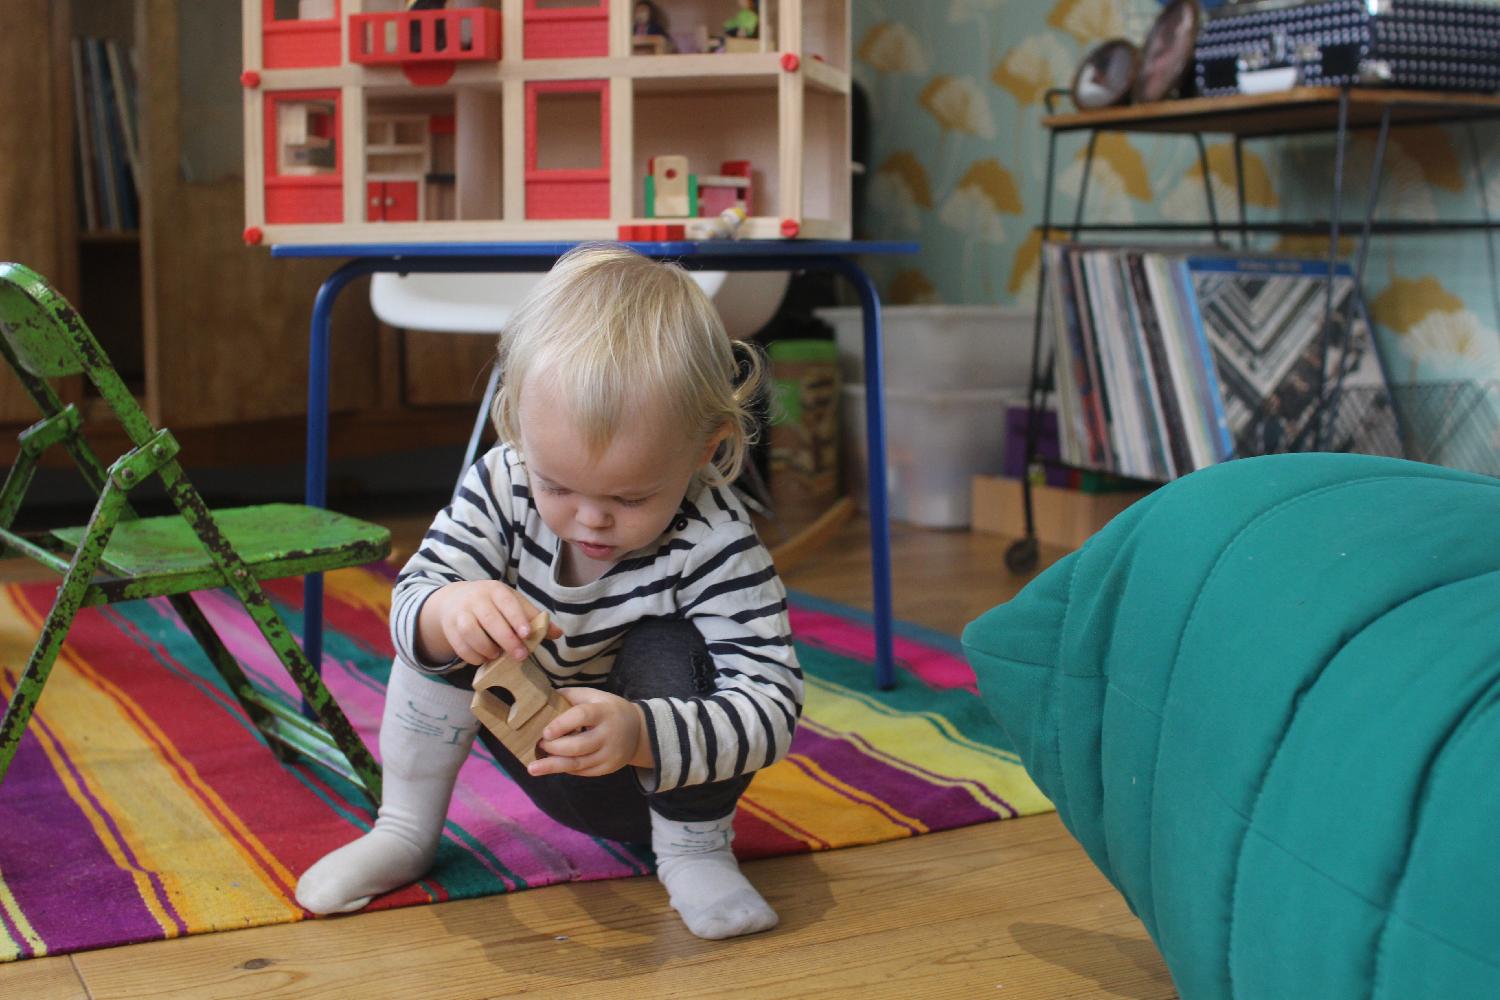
{"x":1064,"y":517}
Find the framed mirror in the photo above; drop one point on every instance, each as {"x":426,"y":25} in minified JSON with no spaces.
{"x":1105,"y":75}
{"x":1168,"y":51}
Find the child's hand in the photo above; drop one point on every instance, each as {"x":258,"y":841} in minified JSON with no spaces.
{"x":600,"y":734}
{"x":476,"y":621}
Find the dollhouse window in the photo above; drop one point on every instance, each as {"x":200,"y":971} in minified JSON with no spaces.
{"x":306,"y":138}
{"x":303,"y":10}
{"x":304,"y":180}
{"x":299,"y":34}
{"x":567,"y":149}
{"x":569,"y":128}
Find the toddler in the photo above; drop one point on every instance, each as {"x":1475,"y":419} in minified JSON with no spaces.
{"x":605,"y":504}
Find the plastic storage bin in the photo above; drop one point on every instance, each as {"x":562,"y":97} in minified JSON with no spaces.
{"x":937,"y":440}
{"x":956,"y":347}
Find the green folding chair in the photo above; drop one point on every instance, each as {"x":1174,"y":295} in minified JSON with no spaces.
{"x":118,"y":556}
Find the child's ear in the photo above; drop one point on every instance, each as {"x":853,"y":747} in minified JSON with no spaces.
{"x":712,"y":445}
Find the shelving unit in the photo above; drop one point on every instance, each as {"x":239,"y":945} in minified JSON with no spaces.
{"x":1303,"y":110}
{"x":214,"y":333}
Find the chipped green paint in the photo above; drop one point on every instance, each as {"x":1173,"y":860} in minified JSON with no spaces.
{"x":59,"y":619}
{"x":118,"y":556}
{"x":52,"y":429}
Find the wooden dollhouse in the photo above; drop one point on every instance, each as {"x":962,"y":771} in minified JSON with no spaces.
{"x":495,"y":120}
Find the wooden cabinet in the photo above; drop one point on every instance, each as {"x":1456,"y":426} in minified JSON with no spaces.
{"x":392,"y":201}
{"x":36,"y":201}
{"x":212,"y":333}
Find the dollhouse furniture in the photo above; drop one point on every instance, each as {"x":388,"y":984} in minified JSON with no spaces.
{"x":1263,"y":699}
{"x":834,"y":256}
{"x":525,"y":120}
{"x":119,"y":556}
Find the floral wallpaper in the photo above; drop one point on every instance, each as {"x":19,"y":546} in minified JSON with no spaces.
{"x":958,"y":162}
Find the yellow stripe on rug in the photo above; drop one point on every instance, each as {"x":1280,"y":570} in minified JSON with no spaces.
{"x":923,"y":744}
{"x":361,"y":589}
{"x":796,"y":796}
{"x":10,"y":950}
{"x":130,"y":782}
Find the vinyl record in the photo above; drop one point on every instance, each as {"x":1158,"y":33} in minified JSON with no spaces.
{"x":1105,"y":75}
{"x":1168,"y":51}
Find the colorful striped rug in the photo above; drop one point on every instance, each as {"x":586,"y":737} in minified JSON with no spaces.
{"x":142,"y":805}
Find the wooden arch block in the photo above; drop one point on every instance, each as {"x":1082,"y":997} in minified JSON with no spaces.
{"x":534,"y":702}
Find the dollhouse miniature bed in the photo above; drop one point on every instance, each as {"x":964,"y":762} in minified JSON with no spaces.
{"x":1266,"y":700}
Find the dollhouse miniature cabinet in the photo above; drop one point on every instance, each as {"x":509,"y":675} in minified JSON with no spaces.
{"x":513,"y":120}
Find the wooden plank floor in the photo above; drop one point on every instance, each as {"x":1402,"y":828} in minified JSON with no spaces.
{"x":1008,"y":909}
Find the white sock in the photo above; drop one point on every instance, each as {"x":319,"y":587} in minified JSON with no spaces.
{"x":426,"y":731}
{"x":694,"y":862}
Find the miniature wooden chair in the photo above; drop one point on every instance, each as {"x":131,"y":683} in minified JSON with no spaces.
{"x":118,"y":556}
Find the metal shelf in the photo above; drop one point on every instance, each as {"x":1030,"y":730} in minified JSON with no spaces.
{"x":1395,"y":227}
{"x":1299,"y":111}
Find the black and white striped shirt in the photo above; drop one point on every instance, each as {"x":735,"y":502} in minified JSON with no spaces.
{"x":709,"y":567}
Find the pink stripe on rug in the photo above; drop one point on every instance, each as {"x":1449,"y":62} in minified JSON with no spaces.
{"x":485,"y":798}
{"x":936,"y":667}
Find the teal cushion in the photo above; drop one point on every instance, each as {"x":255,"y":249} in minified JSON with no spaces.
{"x":1266,"y":700}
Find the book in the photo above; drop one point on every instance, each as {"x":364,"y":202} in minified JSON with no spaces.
{"x":1264,"y":318}
{"x":1090,"y":386}
{"x":106,"y":133}
{"x":83,"y":137}
{"x":123,"y":86}
{"x":1161,"y":368}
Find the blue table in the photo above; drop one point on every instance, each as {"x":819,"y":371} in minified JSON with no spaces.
{"x":835,"y":256}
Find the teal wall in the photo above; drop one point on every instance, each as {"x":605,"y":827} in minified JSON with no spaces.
{"x":958,"y":163}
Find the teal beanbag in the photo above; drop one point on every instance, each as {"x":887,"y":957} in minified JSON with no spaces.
{"x":1266,"y":700}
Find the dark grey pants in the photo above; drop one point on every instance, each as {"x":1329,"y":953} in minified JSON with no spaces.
{"x":658,"y":658}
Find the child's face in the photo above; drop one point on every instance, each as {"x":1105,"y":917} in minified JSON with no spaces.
{"x":607,"y":505}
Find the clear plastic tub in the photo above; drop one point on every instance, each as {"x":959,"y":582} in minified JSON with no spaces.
{"x":937,"y":440}
{"x":950,"y":347}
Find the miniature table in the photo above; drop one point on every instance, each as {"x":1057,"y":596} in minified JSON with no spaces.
{"x":835,"y":256}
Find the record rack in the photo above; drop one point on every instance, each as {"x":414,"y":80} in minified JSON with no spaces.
{"x":1340,"y":111}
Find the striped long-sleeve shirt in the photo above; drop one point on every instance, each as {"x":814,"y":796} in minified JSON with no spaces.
{"x":709,"y":567}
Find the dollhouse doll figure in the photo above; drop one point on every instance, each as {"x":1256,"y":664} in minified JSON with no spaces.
{"x":743,"y":27}
{"x":746,"y":21}
{"x":649,"y":28}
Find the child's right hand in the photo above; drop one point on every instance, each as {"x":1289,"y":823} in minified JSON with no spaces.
{"x":476,"y":621}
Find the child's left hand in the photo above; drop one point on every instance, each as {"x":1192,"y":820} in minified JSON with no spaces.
{"x":600,"y":734}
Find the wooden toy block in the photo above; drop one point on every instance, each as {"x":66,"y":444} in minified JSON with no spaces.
{"x":529,"y":701}
{"x":652,"y":234}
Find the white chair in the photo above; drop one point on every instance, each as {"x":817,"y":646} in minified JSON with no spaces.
{"x":482,"y":303}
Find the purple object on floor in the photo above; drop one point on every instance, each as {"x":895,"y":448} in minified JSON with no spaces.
{"x":1046,"y":445}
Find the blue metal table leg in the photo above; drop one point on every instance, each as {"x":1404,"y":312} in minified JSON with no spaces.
{"x":316,"y":488}
{"x":880,"y":524}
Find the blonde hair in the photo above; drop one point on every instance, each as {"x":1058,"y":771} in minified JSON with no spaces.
{"x":611,"y":330}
